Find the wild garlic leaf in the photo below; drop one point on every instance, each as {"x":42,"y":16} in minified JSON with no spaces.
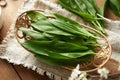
{"x":76,"y":10}
{"x":40,"y":22}
{"x":62,"y":62}
{"x":76,"y":30}
{"x":32,"y":33}
{"x":52,"y":49}
{"x":114,"y":6}
{"x":35,"y":16}
{"x":69,"y":46}
{"x":45,"y":26}
{"x":86,"y":9}
{"x":102,"y":9}
{"x":78,"y":54}
{"x":65,"y":19}
{"x":42,"y":48}
{"x":47,"y":60}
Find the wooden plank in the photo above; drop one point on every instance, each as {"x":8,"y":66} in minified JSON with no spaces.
{"x":113,"y":65}
{"x":109,"y":14}
{"x":8,"y":15}
{"x":28,"y":74}
{"x":7,"y":72}
{"x":99,"y":3}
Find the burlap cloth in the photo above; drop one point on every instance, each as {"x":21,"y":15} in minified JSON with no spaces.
{"x":14,"y":53}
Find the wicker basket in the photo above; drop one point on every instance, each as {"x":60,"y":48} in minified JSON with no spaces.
{"x":99,"y":59}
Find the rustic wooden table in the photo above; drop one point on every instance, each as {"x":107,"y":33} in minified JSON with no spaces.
{"x":9,"y":71}
{"x":13,"y":72}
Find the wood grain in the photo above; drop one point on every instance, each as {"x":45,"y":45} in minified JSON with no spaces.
{"x":8,"y":15}
{"x":7,"y":72}
{"x":99,"y":3}
{"x":112,"y":65}
{"x":28,"y":74}
{"x":109,"y":14}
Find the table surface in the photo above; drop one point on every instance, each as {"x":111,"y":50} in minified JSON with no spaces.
{"x":14,"y":72}
{"x":9,"y":71}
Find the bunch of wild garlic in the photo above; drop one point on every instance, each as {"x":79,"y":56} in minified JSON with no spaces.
{"x":58,"y":40}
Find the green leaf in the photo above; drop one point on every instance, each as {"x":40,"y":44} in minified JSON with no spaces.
{"x":45,"y":26}
{"x":86,"y":9}
{"x":42,"y":48}
{"x":93,"y":2}
{"x":102,"y":8}
{"x":63,"y":62}
{"x":78,"y":54}
{"x":115,"y":3}
{"x":32,"y":33}
{"x":35,"y":16}
{"x":69,"y":46}
{"x":65,"y":19}
{"x":114,"y":6}
{"x":70,"y":21}
{"x":84,"y":15}
{"x":56,"y":49}
{"x":68,"y":27}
